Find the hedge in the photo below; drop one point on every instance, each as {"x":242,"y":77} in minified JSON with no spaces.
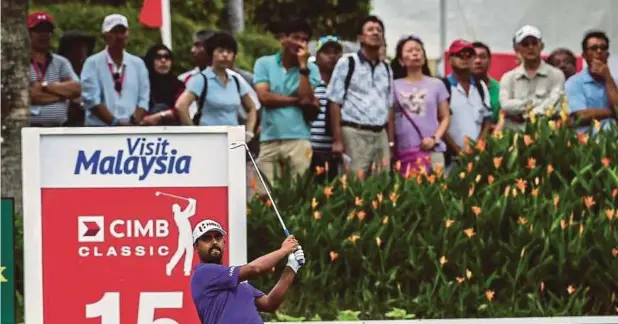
{"x":252,"y":44}
{"x":525,"y":226}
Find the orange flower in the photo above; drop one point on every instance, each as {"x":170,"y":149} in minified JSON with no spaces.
{"x":605,"y":161}
{"x":498,"y":162}
{"x":444,"y":187}
{"x":269,"y":203}
{"x":431,"y":179}
{"x":571,"y":289}
{"x":466,"y":148}
{"x":490,"y":179}
{"x":397,"y":166}
{"x":469,"y":232}
{"x":528,"y":140}
{"x":374,"y":204}
{"x":476,"y":210}
{"x":589,"y":201}
{"x":448,"y":223}
{"x":353,"y":238}
{"x":522,"y":220}
{"x":582,"y":138}
{"x":531,"y":163}
{"x":614,"y":192}
{"x":556,"y":200}
{"x":378,"y":241}
{"x":523,"y":252}
{"x":489,"y":294}
{"x":309,"y":153}
{"x":563,"y":224}
{"x":478,"y":178}
{"x":358,"y":201}
{"x":314,"y":203}
{"x":361,"y":215}
{"x":514,"y":192}
{"x":569,"y":143}
{"x":443,"y":261}
{"x":550,"y":169}
{"x":468,"y":274}
{"x":351,"y":215}
{"x":507,"y":190}
{"x":460,"y":279}
{"x":469,"y":167}
{"x":438,"y":170}
{"x":361,"y":174}
{"x":328,"y":191}
{"x":253,"y":183}
{"x":317,"y":215}
{"x":319,"y":170}
{"x":542,"y":286}
{"x":471,"y":191}
{"x":615,"y":252}
{"x":344,"y":181}
{"x":581,"y":229}
{"x":393,"y":197}
{"x":380,"y":197}
{"x":609,"y":213}
{"x":385,"y":220}
{"x":333,"y":255}
{"x":521,"y":184}
{"x":462,"y":175}
{"x":535,"y":192}
{"x":326,"y":166}
{"x":481,"y":144}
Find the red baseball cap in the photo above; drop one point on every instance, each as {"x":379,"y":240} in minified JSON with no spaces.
{"x":39,"y":17}
{"x":460,"y":45}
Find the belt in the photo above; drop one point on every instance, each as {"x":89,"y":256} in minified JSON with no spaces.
{"x":373,"y":128}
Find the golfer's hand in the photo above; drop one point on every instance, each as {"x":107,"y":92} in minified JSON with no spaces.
{"x":289,"y":245}
{"x":296,"y":259}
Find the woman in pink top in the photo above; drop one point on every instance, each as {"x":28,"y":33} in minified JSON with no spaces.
{"x":421,"y":109}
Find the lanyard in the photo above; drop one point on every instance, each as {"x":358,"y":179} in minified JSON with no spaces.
{"x":119,"y":70}
{"x":39,"y":70}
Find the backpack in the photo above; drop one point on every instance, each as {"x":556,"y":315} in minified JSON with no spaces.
{"x":202,"y":98}
{"x":348,"y":77}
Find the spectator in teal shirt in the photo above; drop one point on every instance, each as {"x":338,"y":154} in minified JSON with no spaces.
{"x":480,"y":69}
{"x":285,"y":83}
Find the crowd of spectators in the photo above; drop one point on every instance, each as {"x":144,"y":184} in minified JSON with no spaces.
{"x":326,"y":110}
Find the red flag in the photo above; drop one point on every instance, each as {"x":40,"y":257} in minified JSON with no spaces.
{"x":151,"y":14}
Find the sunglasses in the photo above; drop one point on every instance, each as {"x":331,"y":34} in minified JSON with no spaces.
{"x":598,"y":48}
{"x":463,"y":55}
{"x":163,"y":56}
{"x":117,"y":82}
{"x":207,"y":238}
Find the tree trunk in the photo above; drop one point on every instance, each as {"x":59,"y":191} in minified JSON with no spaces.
{"x":235,"y":16}
{"x":15,"y":95}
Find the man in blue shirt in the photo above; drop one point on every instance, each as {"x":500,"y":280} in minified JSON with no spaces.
{"x":285,"y":83}
{"x":115,"y":84}
{"x":221,"y":293}
{"x":592,"y":93}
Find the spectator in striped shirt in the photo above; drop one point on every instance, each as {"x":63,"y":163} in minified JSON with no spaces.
{"x":52,"y":79}
{"x":329,"y":51}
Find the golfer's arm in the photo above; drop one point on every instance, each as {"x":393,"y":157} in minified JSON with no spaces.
{"x":260,"y":265}
{"x":271,"y":302}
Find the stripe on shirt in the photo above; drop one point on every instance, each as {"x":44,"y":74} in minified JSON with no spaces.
{"x":319,"y":138}
{"x":55,"y":113}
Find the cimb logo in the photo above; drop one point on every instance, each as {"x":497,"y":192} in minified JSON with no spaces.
{"x":90,"y":229}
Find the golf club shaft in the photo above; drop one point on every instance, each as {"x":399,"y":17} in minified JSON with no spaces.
{"x":172,"y":195}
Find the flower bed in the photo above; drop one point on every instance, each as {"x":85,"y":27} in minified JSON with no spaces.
{"x":525,"y":226}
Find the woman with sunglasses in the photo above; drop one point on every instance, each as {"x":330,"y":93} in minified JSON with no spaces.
{"x":421,"y":109}
{"x":165,"y":87}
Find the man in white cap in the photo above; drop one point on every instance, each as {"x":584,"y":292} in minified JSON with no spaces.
{"x":532,"y":87}
{"x":221,"y":293}
{"x":115,"y":84}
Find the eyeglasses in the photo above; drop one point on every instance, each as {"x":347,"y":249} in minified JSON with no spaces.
{"x":598,"y":48}
{"x":207,"y":238}
{"x":163,"y":56}
{"x":117,"y":82}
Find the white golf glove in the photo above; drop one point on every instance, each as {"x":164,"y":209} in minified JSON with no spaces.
{"x":296,"y":259}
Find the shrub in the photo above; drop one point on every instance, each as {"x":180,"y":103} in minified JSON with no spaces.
{"x":89,"y":18}
{"x":525,"y":226}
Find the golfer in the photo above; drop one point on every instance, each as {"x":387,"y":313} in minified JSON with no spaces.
{"x":221,"y":293}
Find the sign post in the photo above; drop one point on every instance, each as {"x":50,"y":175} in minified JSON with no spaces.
{"x":108,"y":218}
{"x":7,"y":262}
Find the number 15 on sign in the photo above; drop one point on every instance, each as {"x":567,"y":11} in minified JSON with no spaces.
{"x":108,"y":307}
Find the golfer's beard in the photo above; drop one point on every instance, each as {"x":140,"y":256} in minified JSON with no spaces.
{"x":209,"y":258}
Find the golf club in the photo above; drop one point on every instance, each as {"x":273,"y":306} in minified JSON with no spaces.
{"x":235,"y":145}
{"x":159,"y":193}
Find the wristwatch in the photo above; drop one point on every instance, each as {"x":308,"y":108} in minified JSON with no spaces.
{"x":44,"y":85}
{"x":304,"y":71}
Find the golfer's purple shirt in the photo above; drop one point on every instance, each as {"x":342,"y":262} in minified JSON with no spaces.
{"x":220,"y":298}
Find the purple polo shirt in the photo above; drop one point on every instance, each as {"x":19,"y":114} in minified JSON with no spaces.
{"x":220,"y":298}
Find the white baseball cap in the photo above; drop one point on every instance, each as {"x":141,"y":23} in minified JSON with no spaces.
{"x":526,"y":31}
{"x":114,"y":20}
{"x":206,"y":226}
